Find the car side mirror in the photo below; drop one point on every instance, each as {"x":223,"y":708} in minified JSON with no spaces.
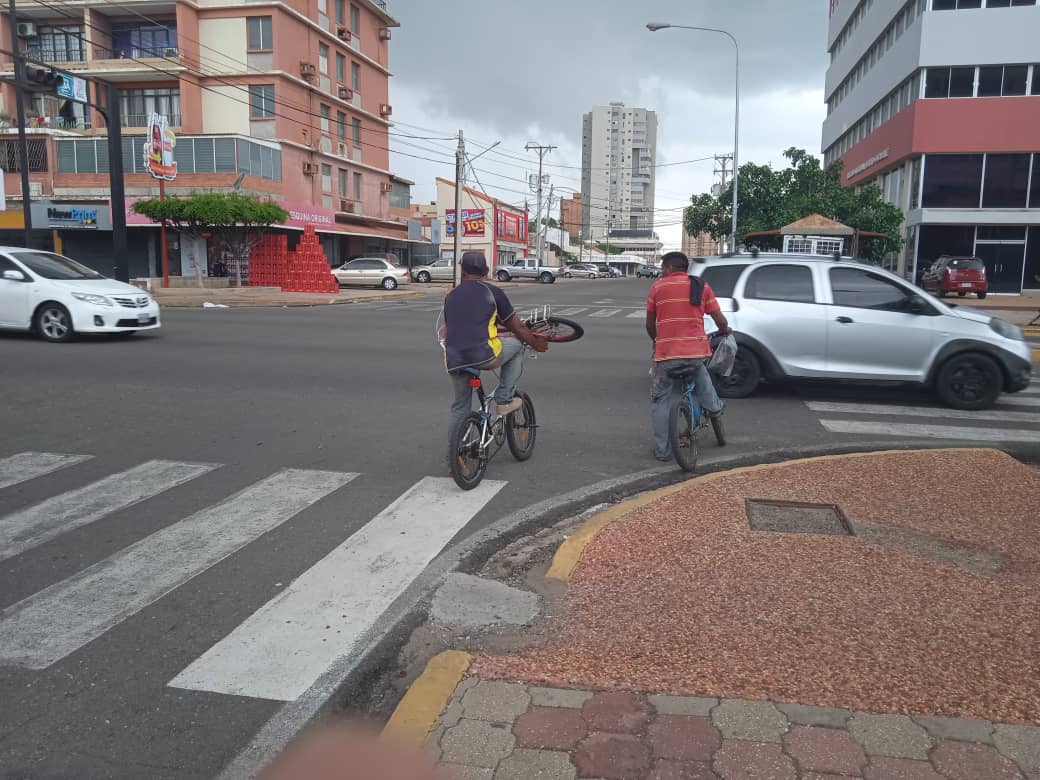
{"x":14,"y":276}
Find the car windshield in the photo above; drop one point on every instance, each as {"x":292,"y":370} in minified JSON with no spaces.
{"x":966,"y":264}
{"x":52,"y":266}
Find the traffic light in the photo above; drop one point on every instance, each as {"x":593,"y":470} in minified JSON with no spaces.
{"x":47,"y":78}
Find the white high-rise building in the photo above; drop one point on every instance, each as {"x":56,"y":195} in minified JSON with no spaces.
{"x":618,"y":155}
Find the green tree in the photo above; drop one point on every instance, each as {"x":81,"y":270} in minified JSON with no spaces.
{"x":237,"y":221}
{"x":769,"y":199}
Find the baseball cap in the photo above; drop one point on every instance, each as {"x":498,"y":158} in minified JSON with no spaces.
{"x":474,"y":263}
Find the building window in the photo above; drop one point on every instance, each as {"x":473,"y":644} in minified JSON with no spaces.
{"x":57,"y":44}
{"x":325,"y":113}
{"x":1007,"y":179}
{"x":355,"y":131}
{"x":261,"y":101}
{"x":341,"y":125}
{"x":355,"y":77}
{"x":952,"y":181}
{"x":1034,"y":195}
{"x":1036,"y":79}
{"x":323,"y":59}
{"x":355,"y":19}
{"x":962,"y":82}
{"x":357,"y":186}
{"x":341,"y":68}
{"x":342,"y":183}
{"x":1015,"y":77}
{"x":323,"y":7}
{"x":340,"y":14}
{"x":937,"y":83}
{"x":11,"y":158}
{"x":133,"y":40}
{"x":259,"y":33}
{"x":326,"y":178}
{"x":138,"y":104}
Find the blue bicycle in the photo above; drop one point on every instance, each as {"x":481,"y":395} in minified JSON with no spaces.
{"x":687,"y":418}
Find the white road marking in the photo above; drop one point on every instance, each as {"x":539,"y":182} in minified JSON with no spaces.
{"x":60,"y":619}
{"x":570,"y":311}
{"x":430,"y":308}
{"x":636,"y":315}
{"x":1034,"y":390}
{"x":604,"y":313}
{"x":29,"y":465}
{"x":286,"y":645}
{"x":924,"y":411}
{"x":914,"y":431}
{"x":37,"y":524}
{"x":1014,"y":400}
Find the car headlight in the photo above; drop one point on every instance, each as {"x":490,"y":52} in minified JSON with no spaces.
{"x":1006,"y":329}
{"x":97,"y":300}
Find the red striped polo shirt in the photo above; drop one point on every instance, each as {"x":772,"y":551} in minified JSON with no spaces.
{"x":680,"y":325}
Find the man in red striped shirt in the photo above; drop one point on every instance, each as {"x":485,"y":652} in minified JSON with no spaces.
{"x":675,"y":312}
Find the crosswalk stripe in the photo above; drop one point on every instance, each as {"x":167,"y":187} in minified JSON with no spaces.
{"x":60,"y":619}
{"x":37,"y":524}
{"x":1014,"y":400}
{"x":1030,"y":391}
{"x":605,"y":313}
{"x":286,"y":645}
{"x":636,"y":315}
{"x":571,"y":311}
{"x":995,"y":415}
{"x":915,"y":431}
{"x":29,"y":465}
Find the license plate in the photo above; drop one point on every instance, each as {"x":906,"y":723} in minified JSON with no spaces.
{"x":965,"y":284}
{"x":142,"y":317}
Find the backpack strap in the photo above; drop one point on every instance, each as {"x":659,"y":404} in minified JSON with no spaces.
{"x":696,"y":290}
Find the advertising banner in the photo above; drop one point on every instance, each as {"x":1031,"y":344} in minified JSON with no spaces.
{"x":472,"y":222}
{"x":158,"y":149}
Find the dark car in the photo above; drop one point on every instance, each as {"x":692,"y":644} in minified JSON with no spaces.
{"x":950,"y":274}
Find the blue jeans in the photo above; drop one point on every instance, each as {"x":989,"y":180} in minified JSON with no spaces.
{"x":663,"y":388}
{"x":511,"y":363}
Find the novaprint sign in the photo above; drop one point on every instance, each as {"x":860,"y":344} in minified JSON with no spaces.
{"x":72,"y":217}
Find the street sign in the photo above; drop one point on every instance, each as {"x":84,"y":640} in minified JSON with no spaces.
{"x":72,"y":87}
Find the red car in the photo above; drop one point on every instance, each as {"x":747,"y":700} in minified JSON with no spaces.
{"x":961,"y":275}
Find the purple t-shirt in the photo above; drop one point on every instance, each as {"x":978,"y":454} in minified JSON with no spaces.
{"x":472,"y":312}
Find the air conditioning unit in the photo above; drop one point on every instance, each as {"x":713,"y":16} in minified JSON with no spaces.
{"x":310,"y":169}
{"x":26,"y":30}
{"x":343,"y":33}
{"x":386,"y":187}
{"x":307,"y":70}
{"x":385,"y":109}
{"x":384,"y":33}
{"x":346,"y":93}
{"x":171,"y":51}
{"x":35,"y":189}
{"x":341,"y":149}
{"x":347,"y":205}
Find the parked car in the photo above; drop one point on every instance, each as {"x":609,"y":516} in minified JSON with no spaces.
{"x":649,"y":271}
{"x":810,"y":317}
{"x":609,"y":271}
{"x":587,"y":270}
{"x":961,"y":275}
{"x":56,"y":297}
{"x":545,"y":274}
{"x":371,"y":272}
{"x":437,"y":271}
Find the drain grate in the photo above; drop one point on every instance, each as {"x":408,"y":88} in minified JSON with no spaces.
{"x":793,"y":517}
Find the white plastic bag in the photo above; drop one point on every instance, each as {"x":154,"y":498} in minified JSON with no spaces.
{"x":722,"y":358}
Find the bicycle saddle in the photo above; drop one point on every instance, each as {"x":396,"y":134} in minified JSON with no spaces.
{"x":686,"y":374}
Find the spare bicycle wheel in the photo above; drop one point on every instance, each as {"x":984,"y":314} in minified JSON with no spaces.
{"x":559,"y":330}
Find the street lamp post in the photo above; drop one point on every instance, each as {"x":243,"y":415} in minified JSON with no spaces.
{"x":654,"y":27}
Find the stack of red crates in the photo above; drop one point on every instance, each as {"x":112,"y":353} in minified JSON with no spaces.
{"x":308,"y":270}
{"x":268,"y":261}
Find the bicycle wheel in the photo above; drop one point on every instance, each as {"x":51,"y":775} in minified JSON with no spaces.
{"x":720,"y":429}
{"x":466,"y":457}
{"x":521,"y":429}
{"x":559,"y":330}
{"x":682,"y":436}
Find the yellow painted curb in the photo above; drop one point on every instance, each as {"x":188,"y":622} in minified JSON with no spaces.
{"x":569,"y":553}
{"x":1036,"y":356}
{"x":417,"y":713}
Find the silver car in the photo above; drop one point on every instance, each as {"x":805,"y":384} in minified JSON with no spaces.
{"x":806,"y":316}
{"x":586,"y":270}
{"x":371,"y":272}
{"x":437,"y":271}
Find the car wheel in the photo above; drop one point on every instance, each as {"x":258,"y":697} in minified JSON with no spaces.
{"x":592,"y":276}
{"x":969,"y":381}
{"x":423,"y":277}
{"x":568,"y":275}
{"x":961,"y":294}
{"x":546,"y":278}
{"x":940,"y":293}
{"x":502,"y":276}
{"x":981,"y":295}
{"x":52,"y":322}
{"x":745,"y":377}
{"x":389,"y":283}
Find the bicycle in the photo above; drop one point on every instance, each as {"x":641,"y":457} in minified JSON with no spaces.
{"x":687,"y":418}
{"x":472,"y":438}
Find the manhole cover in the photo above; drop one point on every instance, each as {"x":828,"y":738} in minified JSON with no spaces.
{"x":792,"y":517}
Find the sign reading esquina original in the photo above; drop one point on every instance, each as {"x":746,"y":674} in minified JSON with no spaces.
{"x":868,"y":163}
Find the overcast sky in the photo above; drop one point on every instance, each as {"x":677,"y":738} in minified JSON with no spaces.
{"x":527,"y":71}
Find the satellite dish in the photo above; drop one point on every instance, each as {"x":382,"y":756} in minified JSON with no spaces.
{"x":716,"y":190}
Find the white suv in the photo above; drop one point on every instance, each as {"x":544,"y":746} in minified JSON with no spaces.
{"x":807,"y":316}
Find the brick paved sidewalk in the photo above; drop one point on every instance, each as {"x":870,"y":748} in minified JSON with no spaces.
{"x":507,"y":731}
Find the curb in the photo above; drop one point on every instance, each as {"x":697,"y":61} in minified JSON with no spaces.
{"x":295,"y":305}
{"x":416,"y":714}
{"x":362,"y":662}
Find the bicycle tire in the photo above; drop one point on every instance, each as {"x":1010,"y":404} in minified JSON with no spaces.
{"x":719,"y":427}
{"x":462,"y":450}
{"x":682,"y":437}
{"x":521,"y":429}
{"x":559,"y":330}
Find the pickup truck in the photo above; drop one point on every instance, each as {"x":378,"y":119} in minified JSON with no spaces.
{"x":543,"y":273}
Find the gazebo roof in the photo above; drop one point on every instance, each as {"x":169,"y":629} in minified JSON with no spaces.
{"x":816,"y":225}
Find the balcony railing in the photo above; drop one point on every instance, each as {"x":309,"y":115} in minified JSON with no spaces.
{"x":57,"y":123}
{"x":141,"y":120}
{"x":56,"y":55}
{"x":137,"y":53}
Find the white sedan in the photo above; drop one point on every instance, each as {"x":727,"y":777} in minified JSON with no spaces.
{"x":56,"y":297}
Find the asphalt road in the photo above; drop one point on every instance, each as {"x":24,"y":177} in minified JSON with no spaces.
{"x":120,"y":576}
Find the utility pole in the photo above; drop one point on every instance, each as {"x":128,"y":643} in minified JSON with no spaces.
{"x":542,"y":229}
{"x":722,"y":171}
{"x":117,"y":185}
{"x":460,"y":173}
{"x":542,"y":151}
{"x":19,"y":99}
